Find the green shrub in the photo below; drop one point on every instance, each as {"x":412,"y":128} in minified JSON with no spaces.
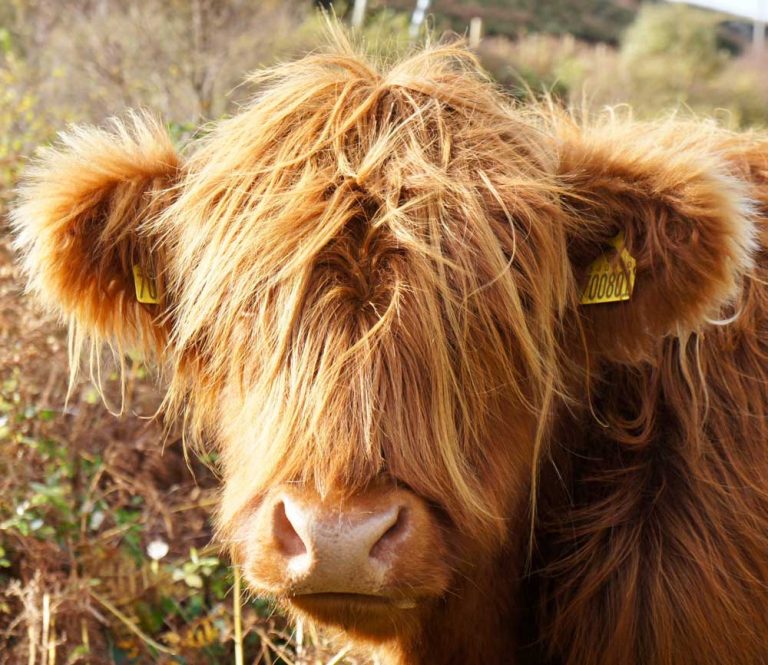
{"x":670,"y":60}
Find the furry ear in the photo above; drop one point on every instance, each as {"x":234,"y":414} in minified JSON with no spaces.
{"x":684,"y":218}
{"x":81,"y":224}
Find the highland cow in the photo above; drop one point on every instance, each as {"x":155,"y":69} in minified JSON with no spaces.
{"x":376,"y":295}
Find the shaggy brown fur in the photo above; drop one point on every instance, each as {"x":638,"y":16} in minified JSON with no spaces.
{"x":373,"y":277}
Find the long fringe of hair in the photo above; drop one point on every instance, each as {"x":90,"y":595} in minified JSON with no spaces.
{"x":367,"y":258}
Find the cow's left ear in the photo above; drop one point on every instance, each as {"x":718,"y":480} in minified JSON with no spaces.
{"x":666,"y":193}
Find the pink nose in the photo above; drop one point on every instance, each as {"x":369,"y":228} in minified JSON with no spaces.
{"x":306,"y":546}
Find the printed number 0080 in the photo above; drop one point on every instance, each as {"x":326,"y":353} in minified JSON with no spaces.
{"x":607,"y":285}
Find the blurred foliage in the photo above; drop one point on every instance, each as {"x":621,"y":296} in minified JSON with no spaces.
{"x":684,"y":41}
{"x":105,"y":552}
{"x":184,"y":57}
{"x":673,"y":56}
{"x":670,"y":59}
{"x":383,"y":35}
{"x":25,"y":119}
{"x":538,"y":63}
{"x":589,"y":20}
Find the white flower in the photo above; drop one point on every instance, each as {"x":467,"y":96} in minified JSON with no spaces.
{"x":96,"y":520}
{"x":157,"y":549}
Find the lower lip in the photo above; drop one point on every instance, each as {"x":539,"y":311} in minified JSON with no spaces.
{"x":358,"y":599}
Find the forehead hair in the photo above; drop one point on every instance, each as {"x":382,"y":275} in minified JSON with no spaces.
{"x":368,"y":267}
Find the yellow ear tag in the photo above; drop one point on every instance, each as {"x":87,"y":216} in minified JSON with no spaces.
{"x":146,"y":287}
{"x":609,"y":279}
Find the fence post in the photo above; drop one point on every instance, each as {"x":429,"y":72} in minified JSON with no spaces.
{"x":358,"y":13}
{"x":417,"y":18}
{"x":475,"y":31}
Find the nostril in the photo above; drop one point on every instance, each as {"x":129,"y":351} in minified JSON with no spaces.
{"x":390,"y":539}
{"x":288,"y":540}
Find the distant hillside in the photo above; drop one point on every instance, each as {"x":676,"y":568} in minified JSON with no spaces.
{"x":589,"y":20}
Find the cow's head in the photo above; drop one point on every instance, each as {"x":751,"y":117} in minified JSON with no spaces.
{"x":369,"y":300}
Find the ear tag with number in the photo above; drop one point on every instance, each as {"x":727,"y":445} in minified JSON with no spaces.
{"x":146,"y":286}
{"x":610,"y":278}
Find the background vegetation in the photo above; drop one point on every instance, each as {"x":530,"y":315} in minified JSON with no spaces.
{"x":105,"y":534}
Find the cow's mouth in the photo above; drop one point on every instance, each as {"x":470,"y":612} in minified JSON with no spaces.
{"x":368,"y":616}
{"x":362,"y":600}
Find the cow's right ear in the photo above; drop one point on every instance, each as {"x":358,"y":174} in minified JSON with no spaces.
{"x":81,"y":224}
